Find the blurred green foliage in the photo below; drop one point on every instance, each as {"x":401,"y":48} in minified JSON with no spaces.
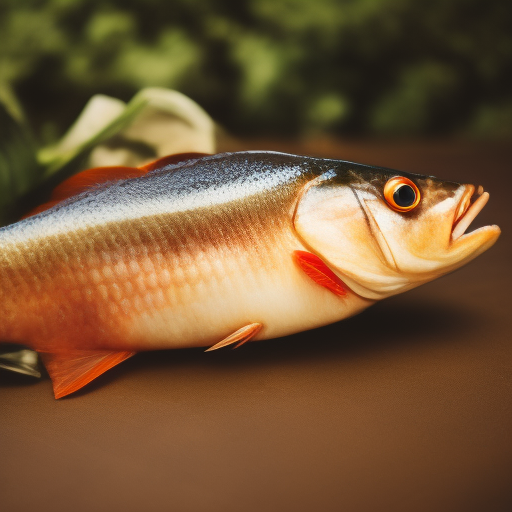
{"x":358,"y":67}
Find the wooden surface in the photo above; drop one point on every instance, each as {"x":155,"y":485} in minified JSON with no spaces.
{"x":405,"y":407}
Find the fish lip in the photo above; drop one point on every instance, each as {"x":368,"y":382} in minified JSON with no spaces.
{"x":471,"y":204}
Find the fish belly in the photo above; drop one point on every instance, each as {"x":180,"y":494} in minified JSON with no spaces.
{"x":223,"y":291}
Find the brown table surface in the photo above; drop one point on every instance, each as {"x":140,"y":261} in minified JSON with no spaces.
{"x":406,"y":407}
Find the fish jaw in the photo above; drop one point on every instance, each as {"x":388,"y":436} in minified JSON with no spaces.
{"x":467,"y":246}
{"x":467,"y":211}
{"x":445,"y":245}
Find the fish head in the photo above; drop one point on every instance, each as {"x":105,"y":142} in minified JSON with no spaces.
{"x":384,"y":232}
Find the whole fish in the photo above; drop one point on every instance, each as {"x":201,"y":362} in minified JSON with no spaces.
{"x":209,"y":251}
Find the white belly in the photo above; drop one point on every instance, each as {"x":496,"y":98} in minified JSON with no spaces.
{"x":218,"y":292}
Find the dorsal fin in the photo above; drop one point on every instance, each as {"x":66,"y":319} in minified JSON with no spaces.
{"x":71,"y":370}
{"x":83,"y":180}
{"x":171,"y":160}
{"x":317,"y":270}
{"x":40,"y":208}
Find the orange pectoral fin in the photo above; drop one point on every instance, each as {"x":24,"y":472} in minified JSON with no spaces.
{"x":317,"y":270}
{"x":240,"y":337}
{"x":71,"y":370}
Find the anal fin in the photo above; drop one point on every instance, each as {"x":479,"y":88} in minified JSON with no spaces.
{"x":71,"y":370}
{"x":239,"y":337}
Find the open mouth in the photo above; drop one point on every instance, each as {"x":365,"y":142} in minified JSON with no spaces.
{"x":470,"y":206}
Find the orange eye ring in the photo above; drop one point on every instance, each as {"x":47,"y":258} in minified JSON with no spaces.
{"x":401,"y":194}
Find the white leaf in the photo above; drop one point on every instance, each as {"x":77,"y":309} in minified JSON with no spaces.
{"x":155,"y":123}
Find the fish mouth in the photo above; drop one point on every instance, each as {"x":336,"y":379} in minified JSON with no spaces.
{"x":471,"y":204}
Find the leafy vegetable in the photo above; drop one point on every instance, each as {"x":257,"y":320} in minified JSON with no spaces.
{"x":155,"y":123}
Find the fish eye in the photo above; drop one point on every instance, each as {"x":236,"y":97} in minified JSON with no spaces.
{"x":401,"y":194}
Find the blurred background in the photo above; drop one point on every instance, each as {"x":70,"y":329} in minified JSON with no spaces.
{"x":291,"y":68}
{"x":359,"y":416}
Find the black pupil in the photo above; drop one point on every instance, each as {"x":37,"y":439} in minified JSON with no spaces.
{"x":404,"y":196}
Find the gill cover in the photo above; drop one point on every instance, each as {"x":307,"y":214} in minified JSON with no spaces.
{"x":331,"y":222}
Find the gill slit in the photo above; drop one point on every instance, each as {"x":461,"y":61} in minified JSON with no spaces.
{"x":376,"y":231}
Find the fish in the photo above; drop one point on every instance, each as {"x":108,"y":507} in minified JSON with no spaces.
{"x":218,"y":250}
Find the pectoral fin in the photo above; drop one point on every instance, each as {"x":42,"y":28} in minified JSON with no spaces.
{"x":319,"y":272}
{"x":71,"y":370}
{"x":239,"y":337}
